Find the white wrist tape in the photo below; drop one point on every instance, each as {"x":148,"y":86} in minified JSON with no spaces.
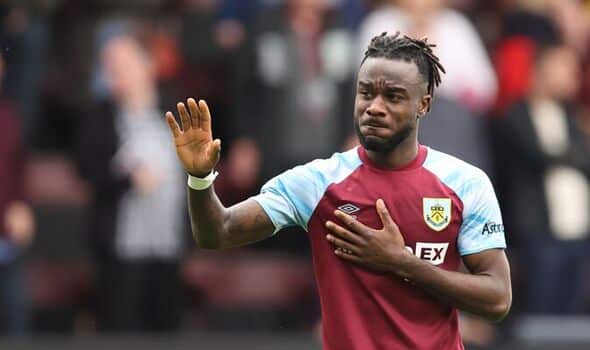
{"x":198,"y":183}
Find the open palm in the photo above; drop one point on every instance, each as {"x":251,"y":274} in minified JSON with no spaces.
{"x":195,"y":147}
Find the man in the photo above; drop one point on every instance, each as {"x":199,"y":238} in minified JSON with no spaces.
{"x":546,"y":171}
{"x":387,"y":275}
{"x":134,"y":226}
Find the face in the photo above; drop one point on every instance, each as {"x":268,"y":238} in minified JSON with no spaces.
{"x":559,"y":71}
{"x":125,"y":65}
{"x":391,"y":96}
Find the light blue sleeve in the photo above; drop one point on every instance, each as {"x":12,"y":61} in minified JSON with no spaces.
{"x":290,"y":198}
{"x":482,"y":227}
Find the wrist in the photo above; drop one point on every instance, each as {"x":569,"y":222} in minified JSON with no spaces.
{"x":202,"y":183}
{"x":403,"y":265}
{"x":201,"y":175}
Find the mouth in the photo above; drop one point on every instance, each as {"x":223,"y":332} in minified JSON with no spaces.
{"x":374,"y":124}
{"x":373,"y":127}
{"x":368,"y":130}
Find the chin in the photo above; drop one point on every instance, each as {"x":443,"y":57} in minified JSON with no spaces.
{"x":372,"y":143}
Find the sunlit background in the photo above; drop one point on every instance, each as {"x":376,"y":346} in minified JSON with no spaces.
{"x":95,"y":246}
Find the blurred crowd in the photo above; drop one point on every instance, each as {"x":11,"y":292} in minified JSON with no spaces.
{"x":95,"y":235}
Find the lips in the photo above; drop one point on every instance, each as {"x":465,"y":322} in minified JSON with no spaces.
{"x":373,"y":131}
{"x":373,"y":124}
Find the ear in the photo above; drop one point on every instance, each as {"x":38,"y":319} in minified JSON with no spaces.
{"x":424,"y":105}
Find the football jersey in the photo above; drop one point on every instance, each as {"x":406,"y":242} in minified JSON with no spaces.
{"x":444,"y":207}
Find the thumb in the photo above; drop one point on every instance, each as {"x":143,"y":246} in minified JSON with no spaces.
{"x":384,"y":215}
{"x":215,"y":150}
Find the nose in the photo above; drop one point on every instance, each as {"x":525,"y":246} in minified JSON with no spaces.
{"x":377,"y":107}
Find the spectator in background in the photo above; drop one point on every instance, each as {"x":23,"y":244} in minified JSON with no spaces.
{"x":135,"y":229}
{"x":546,"y":172}
{"x":470,"y":78}
{"x":302,"y":68}
{"x":16,"y":221}
{"x":529,"y":24}
{"x":525,"y":26}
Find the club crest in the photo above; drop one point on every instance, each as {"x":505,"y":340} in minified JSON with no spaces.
{"x":437,"y":212}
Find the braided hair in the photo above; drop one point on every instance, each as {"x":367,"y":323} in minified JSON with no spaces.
{"x":408,"y":49}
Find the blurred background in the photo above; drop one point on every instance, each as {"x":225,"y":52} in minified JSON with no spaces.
{"x":95,"y":246}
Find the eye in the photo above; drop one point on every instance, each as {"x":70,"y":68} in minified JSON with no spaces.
{"x":365,"y":93}
{"x":395,"y":97}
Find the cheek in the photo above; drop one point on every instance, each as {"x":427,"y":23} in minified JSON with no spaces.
{"x":359,"y":107}
{"x":403,"y":113}
{"x":402,"y":109}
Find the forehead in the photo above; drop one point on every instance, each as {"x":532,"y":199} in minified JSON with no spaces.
{"x":394,"y":71}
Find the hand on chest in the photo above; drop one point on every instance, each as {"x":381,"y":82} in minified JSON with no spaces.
{"x":432,"y":218}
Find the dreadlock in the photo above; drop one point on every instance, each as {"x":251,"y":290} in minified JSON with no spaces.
{"x":409,"y":49}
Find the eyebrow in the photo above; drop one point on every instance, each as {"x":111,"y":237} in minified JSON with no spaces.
{"x":369,"y":82}
{"x":389,"y":87}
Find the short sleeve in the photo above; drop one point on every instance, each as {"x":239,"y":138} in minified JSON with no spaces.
{"x":280,"y":199}
{"x":290,"y":198}
{"x":482,"y":226}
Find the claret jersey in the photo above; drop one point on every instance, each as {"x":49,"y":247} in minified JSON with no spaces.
{"x":444,"y":207}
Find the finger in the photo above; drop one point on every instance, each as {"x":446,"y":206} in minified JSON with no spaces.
{"x":348,"y":257}
{"x":215,"y":150}
{"x":351,"y":222}
{"x":172,"y":124}
{"x":205,"y":116}
{"x":195,"y":114}
{"x":185,"y":119}
{"x":386,"y":219}
{"x":343,"y":233}
{"x":342,"y":244}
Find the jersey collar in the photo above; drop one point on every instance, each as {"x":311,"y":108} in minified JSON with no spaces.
{"x":413,"y":164}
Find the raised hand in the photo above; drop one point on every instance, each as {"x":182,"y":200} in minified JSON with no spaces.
{"x":195,"y":147}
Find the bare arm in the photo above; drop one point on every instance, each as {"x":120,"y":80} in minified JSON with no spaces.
{"x":217,"y":227}
{"x":213,"y":225}
{"x":484,"y":291}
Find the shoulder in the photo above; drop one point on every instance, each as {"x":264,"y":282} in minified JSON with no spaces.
{"x":323,"y":171}
{"x":461,"y":176}
{"x":441,"y":161}
{"x":337,"y":161}
{"x":292,"y":196}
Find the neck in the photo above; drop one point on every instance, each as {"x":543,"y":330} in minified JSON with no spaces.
{"x":403,"y":154}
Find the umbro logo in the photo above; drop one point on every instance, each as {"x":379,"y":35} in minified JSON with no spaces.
{"x":349,"y":208}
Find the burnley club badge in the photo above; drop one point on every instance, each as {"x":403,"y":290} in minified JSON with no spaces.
{"x":437,"y":212}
